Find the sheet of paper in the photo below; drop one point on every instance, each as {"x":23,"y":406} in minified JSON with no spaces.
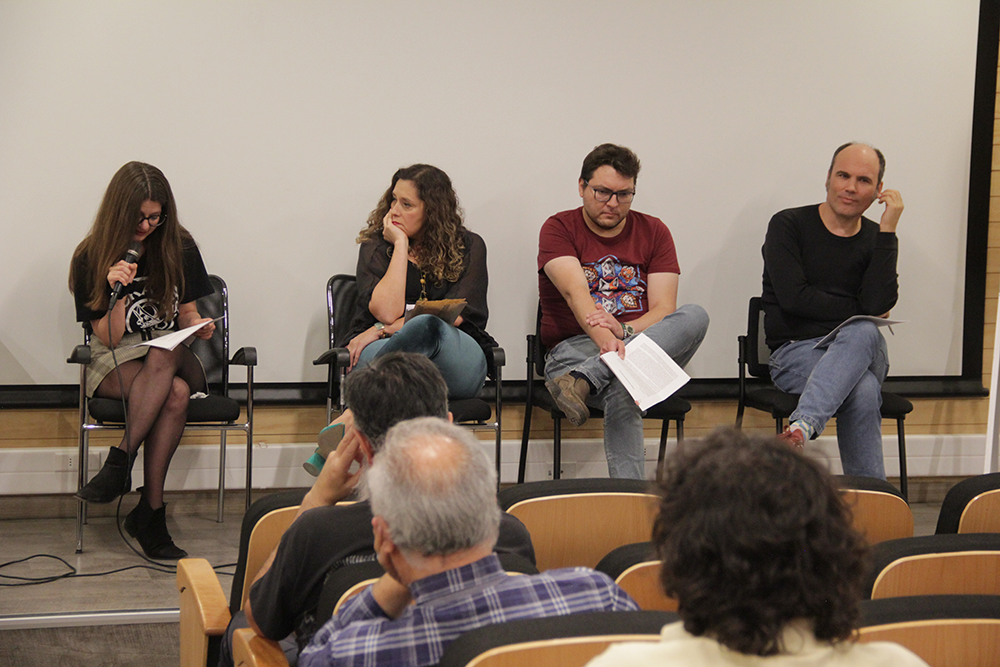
{"x":649,"y":374}
{"x":172,"y":340}
{"x":879,"y":321}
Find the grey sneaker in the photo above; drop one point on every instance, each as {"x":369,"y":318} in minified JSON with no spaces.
{"x":570,"y":395}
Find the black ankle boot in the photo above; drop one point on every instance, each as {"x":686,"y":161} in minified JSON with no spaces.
{"x":113,"y":480}
{"x":149,"y":528}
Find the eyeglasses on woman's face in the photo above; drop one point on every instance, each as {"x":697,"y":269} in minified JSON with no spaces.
{"x":153,"y":220}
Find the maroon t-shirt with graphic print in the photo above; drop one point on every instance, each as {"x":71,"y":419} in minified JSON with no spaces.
{"x":616,"y":269}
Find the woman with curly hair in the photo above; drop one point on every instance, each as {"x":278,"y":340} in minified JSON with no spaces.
{"x":759,"y":552}
{"x":160,"y":284}
{"x":416,"y":247}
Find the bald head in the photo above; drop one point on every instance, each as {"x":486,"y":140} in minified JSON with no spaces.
{"x":856,"y":149}
{"x":434,"y":486}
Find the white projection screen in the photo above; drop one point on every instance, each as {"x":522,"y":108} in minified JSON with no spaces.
{"x":280,"y":123}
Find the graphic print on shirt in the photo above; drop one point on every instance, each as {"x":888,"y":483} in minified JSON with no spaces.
{"x":617,"y":288}
{"x":141,"y":313}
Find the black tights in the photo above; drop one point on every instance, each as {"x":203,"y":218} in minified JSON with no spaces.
{"x":157,"y":388}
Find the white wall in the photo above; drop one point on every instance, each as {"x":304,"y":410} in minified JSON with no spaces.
{"x":280,"y":123}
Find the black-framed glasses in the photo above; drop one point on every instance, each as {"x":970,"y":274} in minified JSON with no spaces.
{"x":604,"y":195}
{"x":156,"y":219}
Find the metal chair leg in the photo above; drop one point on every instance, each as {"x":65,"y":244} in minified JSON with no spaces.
{"x":525,"y":435}
{"x":222,"y":476}
{"x":556,"y":448}
{"x":903,"y":485}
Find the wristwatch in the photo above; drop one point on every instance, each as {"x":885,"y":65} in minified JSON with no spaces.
{"x":380,"y":329}
{"x":627,"y":330}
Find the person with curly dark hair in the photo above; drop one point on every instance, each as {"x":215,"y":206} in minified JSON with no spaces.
{"x":159,"y":289}
{"x":758,"y":550}
{"x":416,"y":247}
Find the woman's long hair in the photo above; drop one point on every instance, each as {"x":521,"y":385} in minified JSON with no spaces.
{"x":440,"y":251}
{"x":109,"y":237}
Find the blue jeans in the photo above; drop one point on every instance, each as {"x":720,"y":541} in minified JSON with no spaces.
{"x":455,"y":353}
{"x":678,"y":334}
{"x":843,"y":379}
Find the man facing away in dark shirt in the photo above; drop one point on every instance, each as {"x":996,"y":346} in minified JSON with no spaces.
{"x":284,"y":595}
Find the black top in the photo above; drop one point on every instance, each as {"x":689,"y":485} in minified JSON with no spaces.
{"x":373,"y":262}
{"x":814,"y":280}
{"x":141,"y":312}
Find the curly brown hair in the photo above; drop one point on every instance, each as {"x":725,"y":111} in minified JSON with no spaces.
{"x":441,"y":248}
{"x":753,"y":536}
{"x":113,"y":228}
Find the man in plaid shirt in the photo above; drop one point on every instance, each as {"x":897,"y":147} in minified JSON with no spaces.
{"x":435,"y":522}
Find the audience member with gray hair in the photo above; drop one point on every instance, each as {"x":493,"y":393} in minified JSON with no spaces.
{"x":435,"y":509}
{"x":435,"y":522}
{"x":325,"y":534}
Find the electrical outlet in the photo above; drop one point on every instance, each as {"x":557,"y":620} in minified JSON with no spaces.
{"x":71,"y":462}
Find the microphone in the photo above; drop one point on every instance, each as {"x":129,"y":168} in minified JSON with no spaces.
{"x":131,"y":256}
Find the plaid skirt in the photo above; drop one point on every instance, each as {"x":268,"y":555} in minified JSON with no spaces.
{"x":128,"y":348}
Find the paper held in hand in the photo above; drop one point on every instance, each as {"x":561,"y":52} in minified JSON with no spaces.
{"x":649,"y":374}
{"x":447,"y":309}
{"x":172,"y":340}
{"x":878,"y":321}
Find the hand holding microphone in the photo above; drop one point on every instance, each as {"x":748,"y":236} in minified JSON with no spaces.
{"x":123,"y":270}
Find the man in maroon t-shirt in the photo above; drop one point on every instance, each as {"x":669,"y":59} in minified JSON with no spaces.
{"x":606,"y":273}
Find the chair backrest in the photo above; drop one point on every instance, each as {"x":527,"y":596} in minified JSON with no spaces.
{"x":264,"y":538}
{"x":342,"y":584}
{"x":642,"y":582}
{"x":579,"y":527}
{"x":953,"y":573}
{"x":944,"y":642}
{"x":558,"y":652}
{"x":934,"y":565}
{"x":878,"y":515}
{"x":758,"y":352}
{"x":536,"y":351}
{"x":944,"y":630}
{"x":636,"y":569}
{"x":341,"y":302}
{"x":982,"y":514}
{"x":257,"y":511}
{"x":214,"y":353}
{"x":972,"y":506}
{"x":563,"y":641}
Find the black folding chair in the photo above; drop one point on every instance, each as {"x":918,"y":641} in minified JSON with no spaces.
{"x":673,"y":409}
{"x":764,"y":396}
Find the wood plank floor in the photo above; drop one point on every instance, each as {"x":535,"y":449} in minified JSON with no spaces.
{"x":99,"y":585}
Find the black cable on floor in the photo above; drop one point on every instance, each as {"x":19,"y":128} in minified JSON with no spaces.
{"x":72,"y":572}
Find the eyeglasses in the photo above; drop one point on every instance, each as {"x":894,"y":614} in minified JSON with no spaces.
{"x":604,"y":195}
{"x":155,"y":220}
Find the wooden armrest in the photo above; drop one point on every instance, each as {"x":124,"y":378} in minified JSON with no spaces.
{"x":204,"y":611}
{"x":252,"y":650}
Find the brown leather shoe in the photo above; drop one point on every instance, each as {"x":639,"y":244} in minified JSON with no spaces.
{"x":794,"y":438}
{"x":570,"y":394}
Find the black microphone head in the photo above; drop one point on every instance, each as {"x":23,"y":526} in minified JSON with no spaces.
{"x":134,"y":249}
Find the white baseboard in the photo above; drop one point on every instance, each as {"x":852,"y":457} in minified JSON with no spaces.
{"x":51,"y":471}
